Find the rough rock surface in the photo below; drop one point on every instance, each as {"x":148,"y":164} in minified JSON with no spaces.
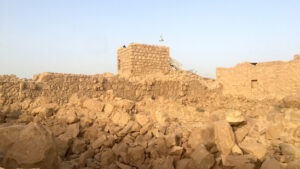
{"x":292,"y":101}
{"x":34,"y":146}
{"x":224,"y":137}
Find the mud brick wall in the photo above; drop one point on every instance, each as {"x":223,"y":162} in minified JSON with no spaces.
{"x":267,"y":79}
{"x":141,"y":59}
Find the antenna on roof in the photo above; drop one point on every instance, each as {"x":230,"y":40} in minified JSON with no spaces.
{"x":161,"y":39}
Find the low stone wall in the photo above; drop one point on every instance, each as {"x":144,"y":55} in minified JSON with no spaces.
{"x":60,"y":87}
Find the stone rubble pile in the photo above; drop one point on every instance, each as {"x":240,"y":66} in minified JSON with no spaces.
{"x":117,"y":133}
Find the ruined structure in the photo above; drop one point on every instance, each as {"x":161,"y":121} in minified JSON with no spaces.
{"x":259,"y":80}
{"x":140,"y":59}
{"x":173,"y":120}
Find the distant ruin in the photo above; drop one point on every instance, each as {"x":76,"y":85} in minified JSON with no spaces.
{"x":265,"y":79}
{"x":141,"y":59}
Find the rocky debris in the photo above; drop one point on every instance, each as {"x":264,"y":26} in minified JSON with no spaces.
{"x":45,"y":110}
{"x":166,"y":163}
{"x":10,"y":112}
{"x":136,"y":155}
{"x":78,"y":146}
{"x":183,"y":163}
{"x":112,"y":122}
{"x":289,"y":151}
{"x":68,"y":115}
{"x":292,"y":101}
{"x":94,"y":105}
{"x":142,"y":119}
{"x":292,"y":115}
{"x":34,"y":146}
{"x":120,"y":118}
{"x":107,"y":157}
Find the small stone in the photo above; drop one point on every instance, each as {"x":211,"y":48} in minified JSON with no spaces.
{"x":234,"y":117}
{"x":236,"y":150}
{"x":176,"y":150}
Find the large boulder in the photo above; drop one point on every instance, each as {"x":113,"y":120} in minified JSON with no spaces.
{"x":270,"y":164}
{"x":224,"y":137}
{"x":33,"y":147}
{"x":94,"y":105}
{"x":201,"y":158}
{"x":136,"y":155}
{"x":8,"y":135}
{"x":289,"y":151}
{"x":294,"y":164}
{"x":251,"y":146}
{"x":292,"y":101}
{"x":202,"y":135}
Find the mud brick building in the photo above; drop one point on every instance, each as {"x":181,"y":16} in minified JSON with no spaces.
{"x":141,"y":59}
{"x":259,"y":80}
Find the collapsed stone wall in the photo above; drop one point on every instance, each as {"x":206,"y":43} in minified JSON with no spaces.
{"x":140,"y":59}
{"x":60,"y":87}
{"x":260,"y":80}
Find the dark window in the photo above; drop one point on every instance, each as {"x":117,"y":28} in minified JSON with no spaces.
{"x":254,"y":63}
{"x":254,"y":84}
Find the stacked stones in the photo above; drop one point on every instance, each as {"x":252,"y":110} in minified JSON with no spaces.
{"x":140,"y":59}
{"x":124,"y":60}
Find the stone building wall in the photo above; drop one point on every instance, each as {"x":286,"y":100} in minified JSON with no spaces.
{"x":260,"y":80}
{"x":140,"y":59}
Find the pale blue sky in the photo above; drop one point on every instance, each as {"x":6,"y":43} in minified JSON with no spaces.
{"x":82,"y":36}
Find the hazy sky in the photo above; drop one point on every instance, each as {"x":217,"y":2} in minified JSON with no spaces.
{"x":82,"y":36}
